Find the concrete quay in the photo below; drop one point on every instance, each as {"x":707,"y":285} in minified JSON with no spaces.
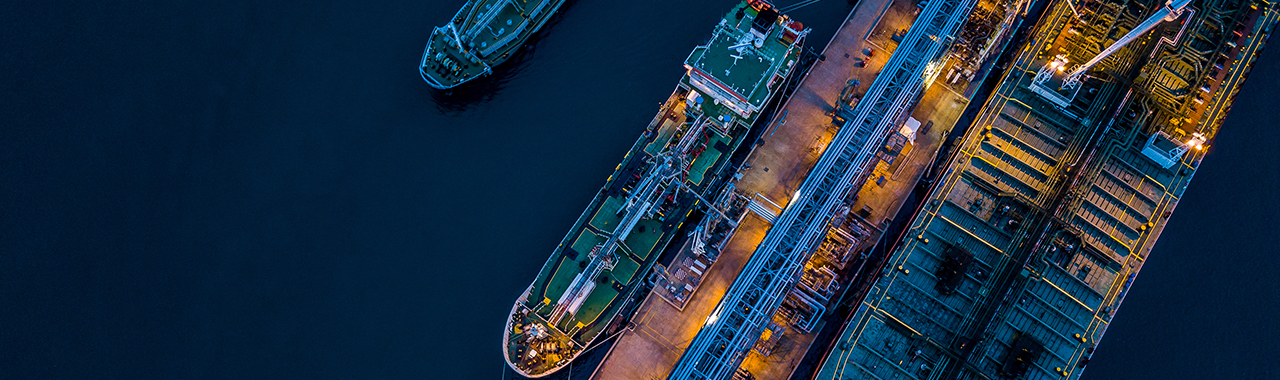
{"x":788,"y":149}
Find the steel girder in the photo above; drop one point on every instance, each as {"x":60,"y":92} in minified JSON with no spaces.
{"x":719,"y":347}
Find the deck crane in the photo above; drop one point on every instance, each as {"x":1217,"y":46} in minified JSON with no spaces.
{"x":1171,"y":10}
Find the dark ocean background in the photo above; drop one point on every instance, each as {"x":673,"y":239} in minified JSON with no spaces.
{"x":243,"y":189}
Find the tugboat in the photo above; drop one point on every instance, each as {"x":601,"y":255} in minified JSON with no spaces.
{"x":484,"y":34}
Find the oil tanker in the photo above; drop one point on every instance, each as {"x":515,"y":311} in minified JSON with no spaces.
{"x":677,"y":164}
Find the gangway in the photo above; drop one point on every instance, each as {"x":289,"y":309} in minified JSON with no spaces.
{"x":733,"y":327}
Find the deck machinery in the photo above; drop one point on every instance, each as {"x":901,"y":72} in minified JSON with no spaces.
{"x":774,"y":268}
{"x":677,"y":164}
{"x":1025,"y":248}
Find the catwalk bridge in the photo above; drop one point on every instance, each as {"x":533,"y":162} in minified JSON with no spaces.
{"x":733,"y":327}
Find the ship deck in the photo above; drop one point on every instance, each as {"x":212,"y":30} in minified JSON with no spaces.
{"x":635,"y":255}
{"x":490,"y":30}
{"x":742,"y":73}
{"x":721,"y":131}
{"x":1020,"y":259}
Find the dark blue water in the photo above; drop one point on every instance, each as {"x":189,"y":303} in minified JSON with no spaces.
{"x":249,"y":190}
{"x":1205,"y":304}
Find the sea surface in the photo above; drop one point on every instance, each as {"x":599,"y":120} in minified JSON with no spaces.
{"x":248,"y":189}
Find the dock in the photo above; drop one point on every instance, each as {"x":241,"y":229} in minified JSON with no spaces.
{"x":788,"y":149}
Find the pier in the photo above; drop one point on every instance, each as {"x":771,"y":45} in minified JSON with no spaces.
{"x":788,"y":149}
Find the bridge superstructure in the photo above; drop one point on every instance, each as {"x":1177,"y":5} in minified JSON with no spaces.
{"x":735,"y":324}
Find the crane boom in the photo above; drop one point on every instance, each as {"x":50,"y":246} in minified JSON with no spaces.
{"x":1170,"y":11}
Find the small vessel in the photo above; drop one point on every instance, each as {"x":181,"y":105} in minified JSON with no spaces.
{"x":679,"y":163}
{"x":484,"y":34}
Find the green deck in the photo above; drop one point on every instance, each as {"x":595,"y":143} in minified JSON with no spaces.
{"x":747,"y":70}
{"x":742,"y":75}
{"x":707,"y":159}
{"x":640,"y":249}
{"x":645,"y":242}
{"x":625,"y":269}
{"x":714,"y":111}
{"x":606,"y":218}
{"x":596,"y":303}
{"x":667,"y":130}
{"x":585,"y":242}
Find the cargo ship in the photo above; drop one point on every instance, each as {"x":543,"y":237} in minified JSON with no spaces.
{"x":680,"y":161}
{"x":484,"y":34}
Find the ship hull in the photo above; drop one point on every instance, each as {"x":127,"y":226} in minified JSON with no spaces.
{"x":447,"y":63}
{"x":680,"y":163}
{"x":520,"y":310}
